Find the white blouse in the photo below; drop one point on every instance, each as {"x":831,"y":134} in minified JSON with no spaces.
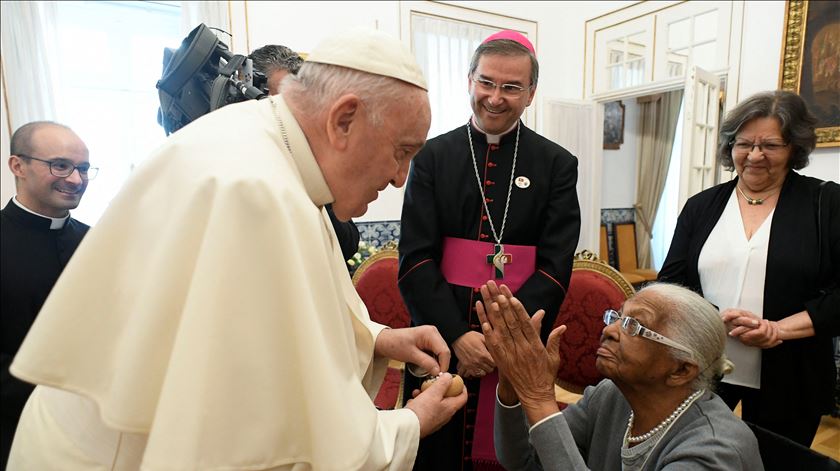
{"x":732,"y":271}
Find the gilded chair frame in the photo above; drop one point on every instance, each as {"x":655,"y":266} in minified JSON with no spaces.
{"x":389,"y":250}
{"x":588,"y":261}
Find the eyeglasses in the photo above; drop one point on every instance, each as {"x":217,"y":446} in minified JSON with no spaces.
{"x":743,"y":147}
{"x":63,"y":168}
{"x":632,"y":327}
{"x":508,"y":89}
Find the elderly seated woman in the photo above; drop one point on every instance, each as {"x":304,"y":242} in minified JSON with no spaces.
{"x":655,"y":409}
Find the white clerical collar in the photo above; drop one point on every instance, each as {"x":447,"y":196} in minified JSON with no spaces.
{"x":493,"y":138}
{"x":55,"y":223}
{"x":313,"y":179}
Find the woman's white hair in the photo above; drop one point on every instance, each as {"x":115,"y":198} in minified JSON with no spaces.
{"x":316,"y":86}
{"x":692,"y":321}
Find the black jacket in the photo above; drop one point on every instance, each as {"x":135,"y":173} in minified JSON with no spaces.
{"x":803,"y":273}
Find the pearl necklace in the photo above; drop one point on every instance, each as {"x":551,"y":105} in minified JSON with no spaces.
{"x":665,"y":423}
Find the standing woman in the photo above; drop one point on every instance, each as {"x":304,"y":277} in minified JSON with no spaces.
{"x":765,"y":249}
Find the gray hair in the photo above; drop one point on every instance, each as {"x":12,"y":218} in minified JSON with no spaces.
{"x":798,"y":125}
{"x":505,"y":47}
{"x":318,"y":85}
{"x":268,"y":59}
{"x":695,"y":323}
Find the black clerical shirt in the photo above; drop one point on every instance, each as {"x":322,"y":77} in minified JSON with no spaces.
{"x":32,"y":257}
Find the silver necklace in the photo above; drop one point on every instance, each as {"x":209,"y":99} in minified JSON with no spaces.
{"x":665,"y":423}
{"x":498,"y":258}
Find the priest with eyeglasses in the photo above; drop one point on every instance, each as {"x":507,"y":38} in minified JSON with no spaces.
{"x":51,"y":165}
{"x":489,"y":200}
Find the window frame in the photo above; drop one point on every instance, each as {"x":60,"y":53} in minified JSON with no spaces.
{"x":729,"y":41}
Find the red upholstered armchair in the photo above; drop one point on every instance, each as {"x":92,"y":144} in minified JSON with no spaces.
{"x":376,"y":282}
{"x":595,"y":287}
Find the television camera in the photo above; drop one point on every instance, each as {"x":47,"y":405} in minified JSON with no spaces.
{"x":201,"y":76}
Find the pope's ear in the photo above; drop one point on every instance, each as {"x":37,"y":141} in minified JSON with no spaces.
{"x":341,"y":118}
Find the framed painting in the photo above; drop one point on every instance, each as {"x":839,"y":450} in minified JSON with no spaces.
{"x":613,"y":125}
{"x":810,"y":63}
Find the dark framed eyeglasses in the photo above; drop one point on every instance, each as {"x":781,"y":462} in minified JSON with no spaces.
{"x":632,"y":327}
{"x":63,"y":168}
{"x":508,"y":89}
{"x":744,"y":147}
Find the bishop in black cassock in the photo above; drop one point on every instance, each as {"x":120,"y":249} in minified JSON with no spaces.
{"x":491,"y":199}
{"x":442,"y":200}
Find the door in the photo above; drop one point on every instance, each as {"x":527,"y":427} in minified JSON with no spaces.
{"x":700,"y":131}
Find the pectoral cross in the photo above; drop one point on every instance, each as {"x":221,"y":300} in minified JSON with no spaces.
{"x":499,"y":259}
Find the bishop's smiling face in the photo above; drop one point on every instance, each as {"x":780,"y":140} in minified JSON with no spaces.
{"x":496,"y":111}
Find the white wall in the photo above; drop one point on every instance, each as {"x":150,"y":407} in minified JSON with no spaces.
{"x":302,"y":25}
{"x":619,"y":166}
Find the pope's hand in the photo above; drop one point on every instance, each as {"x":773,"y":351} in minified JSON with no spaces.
{"x":433,"y":408}
{"x":422,"y":346}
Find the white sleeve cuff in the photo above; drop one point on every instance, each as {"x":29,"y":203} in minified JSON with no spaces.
{"x":514,"y":406}
{"x":543,"y":420}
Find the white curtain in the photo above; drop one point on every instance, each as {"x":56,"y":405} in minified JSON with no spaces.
{"x":579,"y":128}
{"x":443,"y":49}
{"x":213,"y":14}
{"x":658,"y":115}
{"x":669,"y":204}
{"x":28,"y":49}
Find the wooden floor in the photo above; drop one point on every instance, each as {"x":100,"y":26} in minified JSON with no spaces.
{"x":826,"y":442}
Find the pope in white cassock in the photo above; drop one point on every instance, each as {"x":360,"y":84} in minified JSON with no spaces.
{"x":208,"y":322}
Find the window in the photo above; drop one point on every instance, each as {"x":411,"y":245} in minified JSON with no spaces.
{"x":624,"y":54}
{"x":692,"y":35}
{"x":443,"y":39}
{"x":651,"y":42}
{"x":626,"y":63}
{"x":110,"y":57}
{"x":443,"y":48}
{"x":699,"y":133}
